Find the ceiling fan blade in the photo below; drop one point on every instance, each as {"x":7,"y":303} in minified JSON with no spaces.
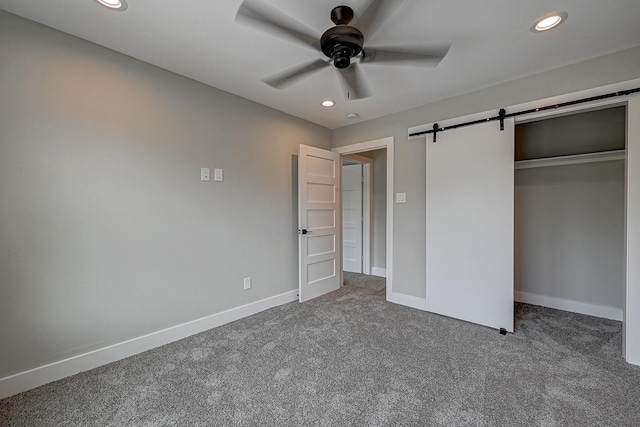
{"x":376,"y":14}
{"x":276,"y":22}
{"x":354,"y":82}
{"x":290,"y":76}
{"x":429,"y":57}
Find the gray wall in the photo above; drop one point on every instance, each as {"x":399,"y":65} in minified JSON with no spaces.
{"x":587,"y":132}
{"x":569,"y":232}
{"x":409,"y":218}
{"x":106,"y":231}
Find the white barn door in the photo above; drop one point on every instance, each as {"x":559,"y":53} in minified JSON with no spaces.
{"x":319,"y":217}
{"x":469,"y":223}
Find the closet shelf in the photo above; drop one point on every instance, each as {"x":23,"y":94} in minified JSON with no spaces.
{"x":604,"y":156}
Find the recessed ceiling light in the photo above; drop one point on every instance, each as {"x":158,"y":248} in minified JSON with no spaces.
{"x":352,"y":115}
{"x":549,"y":21}
{"x":114,"y":4}
{"x":328,"y":103}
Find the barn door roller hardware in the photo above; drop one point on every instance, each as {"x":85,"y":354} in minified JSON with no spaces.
{"x":502,"y":114}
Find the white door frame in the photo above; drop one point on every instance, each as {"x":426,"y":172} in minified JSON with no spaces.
{"x":630,"y":354}
{"x":366,"y":208}
{"x":362,"y":147}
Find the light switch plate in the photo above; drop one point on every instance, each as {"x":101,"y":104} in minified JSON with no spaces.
{"x":401,"y":197}
{"x":218,"y":174}
{"x":205,"y":174}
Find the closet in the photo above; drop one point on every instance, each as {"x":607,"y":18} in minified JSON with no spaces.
{"x":569,"y":216}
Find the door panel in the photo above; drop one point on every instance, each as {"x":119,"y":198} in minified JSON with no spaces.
{"x":318,"y":245}
{"x":319,"y":216}
{"x":469,"y":222}
{"x":321,"y":193}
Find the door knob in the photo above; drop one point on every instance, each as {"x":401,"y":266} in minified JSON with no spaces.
{"x":304,"y":231}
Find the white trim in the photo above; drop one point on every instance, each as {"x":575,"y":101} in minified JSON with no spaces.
{"x":41,"y":375}
{"x":596,"y":310}
{"x":603,"y":156}
{"x":407,"y":300}
{"x":631,"y":323}
{"x":378,"y":271}
{"x":361,"y":147}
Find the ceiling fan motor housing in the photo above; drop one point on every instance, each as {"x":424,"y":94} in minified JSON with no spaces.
{"x":342,"y":42}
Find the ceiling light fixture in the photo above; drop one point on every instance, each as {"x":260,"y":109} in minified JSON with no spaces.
{"x":549,"y":21}
{"x":328,"y":103}
{"x":114,"y":4}
{"x":352,"y":115}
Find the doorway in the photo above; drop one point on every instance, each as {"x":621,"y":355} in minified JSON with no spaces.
{"x":363,"y":220}
{"x":357,"y":171}
{"x":380,"y":243}
{"x":570,"y":211}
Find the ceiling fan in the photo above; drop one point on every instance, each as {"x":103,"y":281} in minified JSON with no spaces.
{"x":342,"y":45}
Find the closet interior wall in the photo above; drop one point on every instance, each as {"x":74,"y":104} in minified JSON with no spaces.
{"x":569,"y":217}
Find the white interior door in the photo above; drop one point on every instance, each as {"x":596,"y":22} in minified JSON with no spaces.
{"x":319,"y":217}
{"x":352,"y":218}
{"x":469,"y":214}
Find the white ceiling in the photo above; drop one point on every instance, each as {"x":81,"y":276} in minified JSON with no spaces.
{"x":490,"y":43}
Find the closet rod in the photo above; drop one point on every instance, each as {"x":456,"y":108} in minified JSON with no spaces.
{"x":504,"y":115}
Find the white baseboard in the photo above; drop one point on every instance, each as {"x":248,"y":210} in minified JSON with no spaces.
{"x":607,"y":312}
{"x":378,"y":271}
{"x":36,"y":377}
{"x":407,"y":300}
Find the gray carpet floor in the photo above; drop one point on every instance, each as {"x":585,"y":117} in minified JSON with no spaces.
{"x":351,"y":358}
{"x":376,"y":283}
